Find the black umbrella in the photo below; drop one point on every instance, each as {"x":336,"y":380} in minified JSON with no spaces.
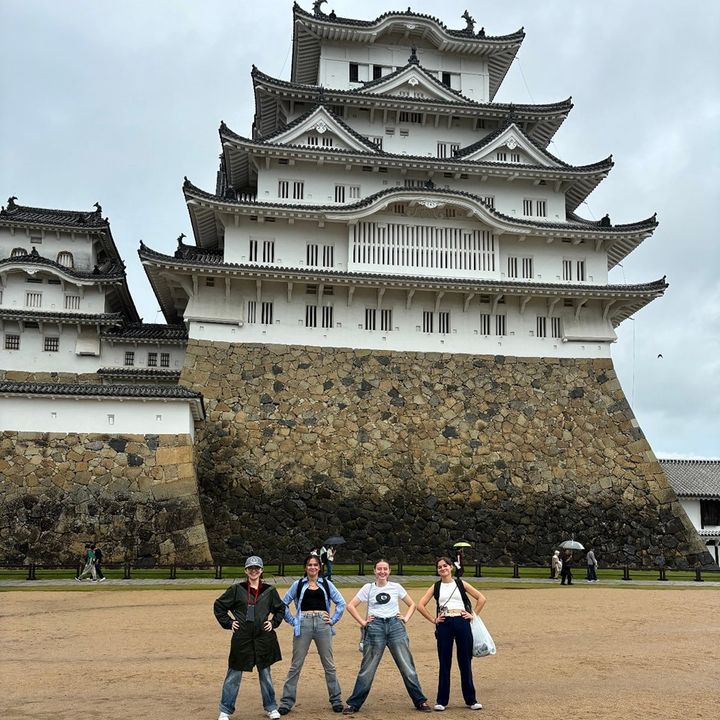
{"x":334,"y":540}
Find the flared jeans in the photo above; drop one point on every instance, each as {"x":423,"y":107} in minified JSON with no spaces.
{"x":231,"y":687}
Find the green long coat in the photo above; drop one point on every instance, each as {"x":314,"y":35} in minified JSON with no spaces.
{"x":251,"y":645}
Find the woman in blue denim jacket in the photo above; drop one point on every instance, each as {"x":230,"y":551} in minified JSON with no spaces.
{"x":312,"y":621}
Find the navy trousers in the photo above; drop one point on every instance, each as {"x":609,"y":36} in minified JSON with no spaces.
{"x":455,"y":629}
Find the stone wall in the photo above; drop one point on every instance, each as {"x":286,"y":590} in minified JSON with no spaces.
{"x":136,"y":495}
{"x":405,"y":453}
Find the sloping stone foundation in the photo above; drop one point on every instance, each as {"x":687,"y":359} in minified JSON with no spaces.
{"x":136,"y":495}
{"x":405,"y":453}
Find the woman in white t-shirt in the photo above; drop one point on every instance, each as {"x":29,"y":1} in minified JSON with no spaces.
{"x":384,"y":627}
{"x":452,"y":625}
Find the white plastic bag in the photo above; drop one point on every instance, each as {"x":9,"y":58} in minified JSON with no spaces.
{"x":483,"y":643}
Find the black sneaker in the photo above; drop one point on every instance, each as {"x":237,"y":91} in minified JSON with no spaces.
{"x":349,"y":710}
{"x":283,"y":710}
{"x":423,"y":707}
{"x":337,"y":708}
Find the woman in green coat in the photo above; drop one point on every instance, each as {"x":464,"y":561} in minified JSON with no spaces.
{"x":252,"y":610}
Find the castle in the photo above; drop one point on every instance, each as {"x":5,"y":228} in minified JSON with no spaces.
{"x":392,"y":324}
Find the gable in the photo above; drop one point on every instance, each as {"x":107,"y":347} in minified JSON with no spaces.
{"x":510,"y":146}
{"x":412,"y":82}
{"x":322,"y":130}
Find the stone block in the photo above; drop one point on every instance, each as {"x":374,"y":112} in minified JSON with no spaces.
{"x":174,"y":455}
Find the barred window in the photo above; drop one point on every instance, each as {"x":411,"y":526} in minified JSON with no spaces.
{"x":65,"y":259}
{"x":311,"y":254}
{"x":51,"y":344}
{"x":16,"y":252}
{"x":311,"y":316}
{"x":268,"y":251}
{"x":339,"y":193}
{"x":327,"y":316}
{"x":512,"y":267}
{"x":555,"y":327}
{"x":580,"y":267}
{"x":252,"y":311}
{"x":541,"y":208}
{"x":541,"y":326}
{"x":283,"y":189}
{"x":527,"y":268}
{"x":12,"y":342}
{"x":129,"y":358}
{"x":444,"y":322}
{"x":484,"y":323}
{"x":500,"y":325}
{"x":253,"y":254}
{"x":501,"y":156}
{"x":386,"y":320}
{"x":515,"y":157}
{"x":410,"y":117}
{"x":376,"y":140}
{"x":447,"y":149}
{"x":165,"y":360}
{"x":328,"y":256}
{"x":567,"y":270}
{"x":528,"y":208}
{"x":327,"y":141}
{"x":298,"y":190}
{"x":370,"y":318}
{"x":152,"y":359}
{"x":266,"y":313}
{"x":489,"y":200}
{"x":427,"y":324}
{"x":72,"y":302}
{"x":33,"y":299}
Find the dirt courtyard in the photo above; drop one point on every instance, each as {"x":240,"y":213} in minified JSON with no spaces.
{"x":582,"y":652}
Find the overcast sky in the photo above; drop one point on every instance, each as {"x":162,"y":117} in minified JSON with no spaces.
{"x":116,"y":101}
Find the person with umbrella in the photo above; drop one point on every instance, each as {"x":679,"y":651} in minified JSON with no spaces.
{"x":328,"y":559}
{"x":312,"y":622}
{"x":568,"y":560}
{"x":457,"y":553}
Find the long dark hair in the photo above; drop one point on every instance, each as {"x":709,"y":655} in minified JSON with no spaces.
{"x":446,"y":560}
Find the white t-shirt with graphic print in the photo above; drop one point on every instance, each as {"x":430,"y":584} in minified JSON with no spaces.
{"x":383,"y":602}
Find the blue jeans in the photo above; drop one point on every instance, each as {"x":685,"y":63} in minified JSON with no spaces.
{"x":312,"y":627}
{"x":592,"y":572}
{"x":231,"y":686}
{"x":379,"y":634}
{"x":455,"y":629}
{"x":328,"y":569}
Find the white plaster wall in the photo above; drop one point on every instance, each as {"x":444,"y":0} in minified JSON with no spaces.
{"x":92,"y":298}
{"x":96,"y":415}
{"x":49,"y":244}
{"x":228,"y":324}
{"x":692,"y":508}
{"x":335,"y":58}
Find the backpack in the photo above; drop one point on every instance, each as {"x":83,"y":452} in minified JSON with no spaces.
{"x":323,"y":580}
{"x":463,"y":595}
{"x":323,"y":557}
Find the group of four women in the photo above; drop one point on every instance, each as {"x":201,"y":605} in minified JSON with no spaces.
{"x":253,"y":609}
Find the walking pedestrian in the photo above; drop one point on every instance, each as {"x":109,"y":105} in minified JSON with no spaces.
{"x":252,"y":610}
{"x":98,"y":553}
{"x":384,"y":627}
{"x":591,"y":566}
{"x":312,"y":622}
{"x":330,"y":561}
{"x":555,"y":566}
{"x":452,"y":626}
{"x":567,"y":563}
{"x":89,"y":560}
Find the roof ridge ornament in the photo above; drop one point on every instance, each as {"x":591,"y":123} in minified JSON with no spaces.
{"x":413,"y":59}
{"x":11,"y":203}
{"x":317,"y":5}
{"x":470,"y":20}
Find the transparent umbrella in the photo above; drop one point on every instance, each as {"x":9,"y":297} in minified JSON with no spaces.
{"x":571,"y":545}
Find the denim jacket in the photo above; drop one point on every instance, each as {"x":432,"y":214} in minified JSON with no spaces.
{"x":290,"y":597}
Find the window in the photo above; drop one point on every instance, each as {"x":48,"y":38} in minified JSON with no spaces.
{"x":447,"y":149}
{"x":528,"y":208}
{"x":484,"y":323}
{"x":411,"y":117}
{"x":16,"y":252}
{"x":327,"y":141}
{"x":12,"y":342}
{"x":72,"y":302}
{"x":370,"y":318}
{"x":268,"y":251}
{"x":500,"y":325}
{"x":489,"y":200}
{"x":398,"y":209}
{"x":427,"y":324}
{"x":33,"y":299}
{"x":520,"y":267}
{"x":501,"y":156}
{"x":444,"y":322}
{"x":414,"y":183}
{"x":709,"y":513}
{"x":327,"y":316}
{"x":253,"y":250}
{"x":541,"y":208}
{"x":446,"y":79}
{"x":377,"y":72}
{"x":580,"y":266}
{"x":512,"y":267}
{"x":312,"y":140}
{"x":210,"y":282}
{"x":376,"y":140}
{"x":298,"y":190}
{"x":386,"y":320}
{"x":165,"y":360}
{"x":36,"y":239}
{"x":311,"y":254}
{"x":354,"y":72}
{"x":328,"y":256}
{"x":515,"y":157}
{"x":51,"y":344}
{"x":283,"y":189}
{"x":555,"y":327}
{"x":152,"y":359}
{"x":266,"y":312}
{"x":567,"y":270}
{"x":541,"y":326}
{"x":129,"y":358}
{"x":311,"y":316}
{"x":65,"y":259}
{"x":351,"y":192}
{"x":527,"y":268}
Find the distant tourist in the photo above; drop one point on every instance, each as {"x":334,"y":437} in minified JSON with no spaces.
{"x":312,"y":622}
{"x":329,"y":561}
{"x":314,"y":551}
{"x":555,"y":566}
{"x":89,"y":560}
{"x":98,"y":553}
{"x":452,"y":619}
{"x":567,"y":563}
{"x":459,"y":563}
{"x":591,"y":566}
{"x":252,"y":610}
{"x":384,"y":627}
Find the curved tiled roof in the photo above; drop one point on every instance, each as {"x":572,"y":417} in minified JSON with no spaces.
{"x":62,"y":317}
{"x":112,"y":272}
{"x":148,"y":332}
{"x":417,"y":66}
{"x":693,"y":478}
{"x":74,"y":219}
{"x":140,"y":373}
{"x":574,"y":223}
{"x":110,"y":391}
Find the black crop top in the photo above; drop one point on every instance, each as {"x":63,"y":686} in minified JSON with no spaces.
{"x":313,"y":600}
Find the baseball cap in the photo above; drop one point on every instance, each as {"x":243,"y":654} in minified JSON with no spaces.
{"x":254,"y":561}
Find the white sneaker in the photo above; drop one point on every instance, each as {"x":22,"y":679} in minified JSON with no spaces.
{"x":223,"y":716}
{"x":476,"y":706}
{"x":274,"y":715}
{"x":102,"y":579}
{"x":438,"y":707}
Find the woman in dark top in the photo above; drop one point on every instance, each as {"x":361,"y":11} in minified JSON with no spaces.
{"x":312,"y":622}
{"x":246,"y":609}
